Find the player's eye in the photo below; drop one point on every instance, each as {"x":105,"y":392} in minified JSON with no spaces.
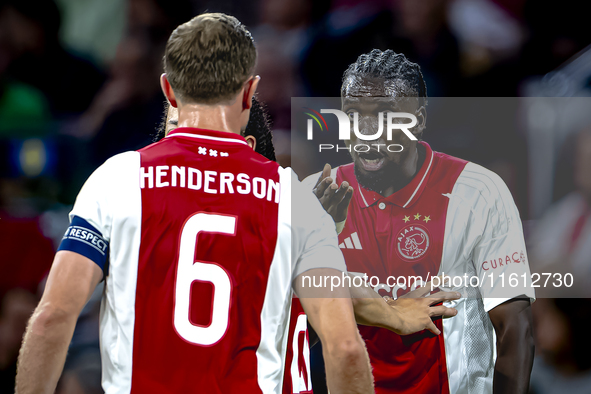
{"x":395,"y":120}
{"x":351,"y":115}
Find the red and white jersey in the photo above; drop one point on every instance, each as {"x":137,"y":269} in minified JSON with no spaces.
{"x":456,"y":218}
{"x":202,"y":249}
{"x":297,"y":379}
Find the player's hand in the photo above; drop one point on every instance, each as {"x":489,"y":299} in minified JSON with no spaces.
{"x":416,"y":309}
{"x":334,"y":199}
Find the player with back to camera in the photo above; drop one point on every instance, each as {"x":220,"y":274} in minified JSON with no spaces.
{"x":405,"y":316}
{"x":195,"y":240}
{"x":421,"y":212}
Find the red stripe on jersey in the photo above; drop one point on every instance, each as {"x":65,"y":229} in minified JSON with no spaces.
{"x":402,"y":235}
{"x":218,"y":247}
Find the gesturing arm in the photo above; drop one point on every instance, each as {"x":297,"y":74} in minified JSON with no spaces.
{"x":70,"y":284}
{"x":408,"y":314}
{"x":512,"y":321}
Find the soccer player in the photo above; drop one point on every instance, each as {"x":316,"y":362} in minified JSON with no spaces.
{"x":194,"y":238}
{"x":417,"y":213}
{"x":370,"y":309}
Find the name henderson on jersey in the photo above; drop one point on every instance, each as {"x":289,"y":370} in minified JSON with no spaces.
{"x":208,"y":181}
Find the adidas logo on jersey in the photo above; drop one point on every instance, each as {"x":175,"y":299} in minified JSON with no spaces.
{"x":351,"y":242}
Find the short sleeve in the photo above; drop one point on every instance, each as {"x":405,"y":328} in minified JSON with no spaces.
{"x":499,"y":255}
{"x":314,"y":238}
{"x":92,"y":203}
{"x":91,"y":218}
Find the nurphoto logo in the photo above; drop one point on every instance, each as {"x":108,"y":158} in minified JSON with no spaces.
{"x":348,"y":122}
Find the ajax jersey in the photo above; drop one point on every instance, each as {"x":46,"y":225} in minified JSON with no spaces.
{"x":199,"y":249}
{"x":297,"y":379}
{"x":455,"y":218}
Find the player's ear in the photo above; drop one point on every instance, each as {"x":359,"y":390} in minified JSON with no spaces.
{"x":249,"y":89}
{"x":251,"y":141}
{"x":421,"y":121}
{"x":167,"y":90}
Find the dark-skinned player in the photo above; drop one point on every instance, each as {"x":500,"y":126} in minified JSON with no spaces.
{"x":421,"y":212}
{"x":404,"y":316}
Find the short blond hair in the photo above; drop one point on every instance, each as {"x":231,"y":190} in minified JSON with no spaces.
{"x":209,"y":58}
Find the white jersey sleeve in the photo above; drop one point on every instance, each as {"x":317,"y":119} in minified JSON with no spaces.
{"x":105,"y":197}
{"x":498,"y":250}
{"x":92,"y":203}
{"x":314,"y":239}
{"x":310,"y":182}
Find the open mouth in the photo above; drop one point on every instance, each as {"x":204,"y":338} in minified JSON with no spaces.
{"x":372,"y":160}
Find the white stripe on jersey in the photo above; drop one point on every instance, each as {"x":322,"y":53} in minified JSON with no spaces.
{"x":421,"y":182}
{"x":117,"y":319}
{"x":208,"y":137}
{"x":274,"y":331}
{"x":470,"y":340}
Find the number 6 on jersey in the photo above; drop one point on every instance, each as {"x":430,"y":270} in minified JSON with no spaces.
{"x":189,"y":270}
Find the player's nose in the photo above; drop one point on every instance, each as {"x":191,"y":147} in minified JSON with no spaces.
{"x":370,"y":126}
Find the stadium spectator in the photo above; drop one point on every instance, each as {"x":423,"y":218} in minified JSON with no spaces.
{"x":36,"y":57}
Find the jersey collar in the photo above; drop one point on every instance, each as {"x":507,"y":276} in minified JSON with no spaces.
{"x":409,"y":194}
{"x":204,"y":134}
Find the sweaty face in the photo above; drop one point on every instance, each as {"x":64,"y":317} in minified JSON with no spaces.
{"x":377,"y":165}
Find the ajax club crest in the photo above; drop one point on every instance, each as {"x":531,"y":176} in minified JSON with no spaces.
{"x":412,"y":242}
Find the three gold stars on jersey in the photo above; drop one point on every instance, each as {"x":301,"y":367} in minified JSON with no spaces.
{"x":417,"y":216}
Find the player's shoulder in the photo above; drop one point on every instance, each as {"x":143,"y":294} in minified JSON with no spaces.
{"x":300,"y":192}
{"x":118,"y":164}
{"x":290,"y":181}
{"x":122,"y":158}
{"x":447,"y":162}
{"x":156,"y":147}
{"x":253,"y":164}
{"x":256,"y":159}
{"x":481,"y":182}
{"x":113,"y":181}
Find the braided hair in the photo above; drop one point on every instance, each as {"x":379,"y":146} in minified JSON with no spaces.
{"x":259,"y":126}
{"x":390,"y":66}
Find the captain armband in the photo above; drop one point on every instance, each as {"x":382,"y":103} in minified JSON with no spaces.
{"x":82,"y":238}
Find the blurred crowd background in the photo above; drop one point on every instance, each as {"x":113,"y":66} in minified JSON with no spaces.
{"x":79,"y":82}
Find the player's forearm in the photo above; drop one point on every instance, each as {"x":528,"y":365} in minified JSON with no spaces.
{"x":347,"y":367}
{"x":44,"y":350}
{"x":515,"y":349}
{"x":372,"y":310}
{"x":376,"y":312}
